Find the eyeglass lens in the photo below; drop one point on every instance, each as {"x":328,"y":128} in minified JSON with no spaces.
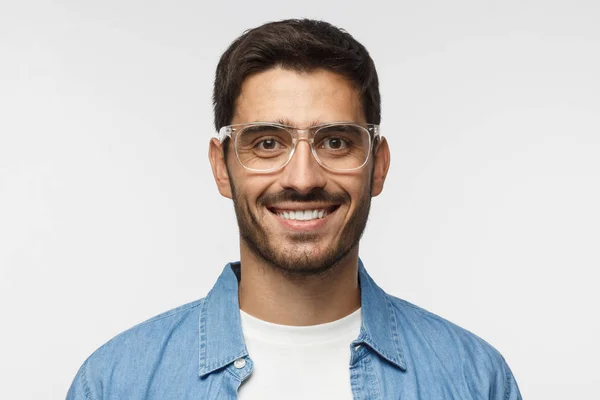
{"x":266,"y":147}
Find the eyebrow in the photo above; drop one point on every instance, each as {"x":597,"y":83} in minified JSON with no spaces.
{"x":287,"y":122}
{"x":283,"y":121}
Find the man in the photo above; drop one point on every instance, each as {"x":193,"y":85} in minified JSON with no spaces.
{"x":297,"y":108}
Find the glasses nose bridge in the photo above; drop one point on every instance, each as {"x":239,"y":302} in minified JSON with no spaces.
{"x":303,"y":134}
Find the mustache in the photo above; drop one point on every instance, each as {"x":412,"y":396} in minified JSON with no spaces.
{"x":315,"y":195}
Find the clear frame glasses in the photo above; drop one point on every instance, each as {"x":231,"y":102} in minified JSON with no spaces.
{"x":268,"y":147}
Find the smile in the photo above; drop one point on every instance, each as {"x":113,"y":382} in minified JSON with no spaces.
{"x":303,"y":215}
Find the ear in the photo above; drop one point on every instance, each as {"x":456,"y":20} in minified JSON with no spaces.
{"x":219,"y":169}
{"x":380,"y":169}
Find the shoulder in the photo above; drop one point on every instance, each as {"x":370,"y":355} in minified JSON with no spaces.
{"x":177,"y":324}
{"x":450,"y":350}
{"x":414,"y":320}
{"x":167,"y":336}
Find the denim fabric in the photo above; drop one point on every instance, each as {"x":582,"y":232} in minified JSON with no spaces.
{"x":402,"y":352}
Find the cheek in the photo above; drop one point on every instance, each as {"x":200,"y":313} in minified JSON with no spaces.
{"x":250,"y":187}
{"x":358,"y":186}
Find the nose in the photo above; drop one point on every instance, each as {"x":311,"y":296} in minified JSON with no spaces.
{"x":303,"y":173}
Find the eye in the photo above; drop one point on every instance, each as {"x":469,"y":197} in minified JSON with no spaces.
{"x":263,"y":140}
{"x":334,"y":143}
{"x":267,"y":144}
{"x":341,"y":138}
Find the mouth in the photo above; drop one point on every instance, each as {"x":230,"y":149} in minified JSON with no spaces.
{"x":291,"y":213}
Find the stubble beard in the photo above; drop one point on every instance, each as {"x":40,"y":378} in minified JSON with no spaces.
{"x":301,"y":261}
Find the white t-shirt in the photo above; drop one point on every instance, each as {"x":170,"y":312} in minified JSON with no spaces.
{"x":299,"y":362}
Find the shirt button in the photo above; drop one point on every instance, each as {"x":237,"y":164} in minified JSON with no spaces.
{"x":239,"y":363}
{"x":356,"y":347}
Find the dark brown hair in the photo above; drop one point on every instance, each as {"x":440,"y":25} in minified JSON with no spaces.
{"x":298,"y":44}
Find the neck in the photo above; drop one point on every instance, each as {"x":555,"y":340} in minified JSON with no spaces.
{"x":277,"y":297}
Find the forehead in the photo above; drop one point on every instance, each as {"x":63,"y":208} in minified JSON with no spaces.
{"x":303,"y":98}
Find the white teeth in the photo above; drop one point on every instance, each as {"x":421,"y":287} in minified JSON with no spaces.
{"x":303,"y":215}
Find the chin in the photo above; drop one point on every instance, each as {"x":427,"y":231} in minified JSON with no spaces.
{"x":304,"y":258}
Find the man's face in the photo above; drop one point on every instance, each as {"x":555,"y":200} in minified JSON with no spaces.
{"x":299,"y":247}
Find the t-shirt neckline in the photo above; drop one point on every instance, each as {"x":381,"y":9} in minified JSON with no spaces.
{"x":256,"y":328}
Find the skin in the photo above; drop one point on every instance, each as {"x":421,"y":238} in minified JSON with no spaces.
{"x":300,"y":274}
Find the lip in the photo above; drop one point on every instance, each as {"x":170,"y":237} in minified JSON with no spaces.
{"x":299,"y":225}
{"x":302,"y":206}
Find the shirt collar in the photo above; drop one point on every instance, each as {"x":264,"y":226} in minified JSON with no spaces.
{"x":222,"y":340}
{"x":380,"y":329}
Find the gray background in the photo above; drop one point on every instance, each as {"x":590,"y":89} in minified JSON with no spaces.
{"x":109,"y":213}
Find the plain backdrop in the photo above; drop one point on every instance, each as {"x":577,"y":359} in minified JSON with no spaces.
{"x":490,"y":216}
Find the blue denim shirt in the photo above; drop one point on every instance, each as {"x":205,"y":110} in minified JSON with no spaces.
{"x":402,"y":352}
